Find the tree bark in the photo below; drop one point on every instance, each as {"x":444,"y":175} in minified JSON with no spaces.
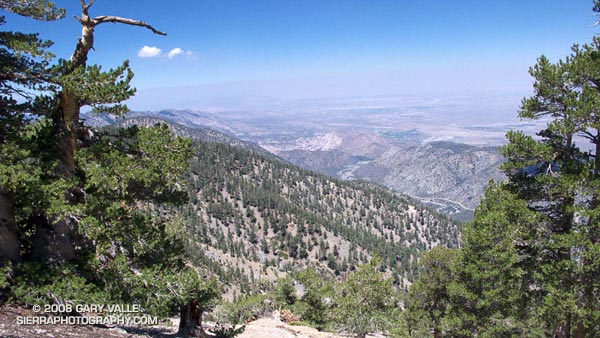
{"x":190,"y":324}
{"x":10,"y":248}
{"x":66,"y":120}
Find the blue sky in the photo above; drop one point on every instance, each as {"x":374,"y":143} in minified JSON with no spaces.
{"x":290,"y":48}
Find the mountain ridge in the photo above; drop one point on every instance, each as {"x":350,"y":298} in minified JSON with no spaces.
{"x":448,"y":175}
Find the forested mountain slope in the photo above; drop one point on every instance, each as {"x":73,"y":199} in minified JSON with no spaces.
{"x":257,"y":217}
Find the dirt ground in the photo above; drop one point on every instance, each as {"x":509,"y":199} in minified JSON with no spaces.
{"x":11,"y":326}
{"x":273,"y":328}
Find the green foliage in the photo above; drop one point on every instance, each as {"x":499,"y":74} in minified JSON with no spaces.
{"x":529,"y":266}
{"x":316,"y":291}
{"x":23,"y":171}
{"x":37,"y":9}
{"x":299,"y":323}
{"x":285,"y":292}
{"x":31,"y":283}
{"x":363,"y":303}
{"x":246,"y":309}
{"x":24,"y":62}
{"x":428,"y":301}
{"x":131,"y":177}
{"x":103,"y":91}
{"x":497,"y":268}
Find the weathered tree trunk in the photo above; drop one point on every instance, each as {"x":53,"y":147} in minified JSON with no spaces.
{"x":54,"y":240}
{"x":190,"y":324}
{"x":9,"y":240}
{"x":66,"y":117}
{"x":66,"y":120}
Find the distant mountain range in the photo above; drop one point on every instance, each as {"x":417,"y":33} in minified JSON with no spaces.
{"x":355,"y":144}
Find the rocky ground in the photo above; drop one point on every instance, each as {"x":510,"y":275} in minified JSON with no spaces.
{"x":261,"y":328}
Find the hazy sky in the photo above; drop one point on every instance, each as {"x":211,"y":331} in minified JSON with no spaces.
{"x":289,"y":48}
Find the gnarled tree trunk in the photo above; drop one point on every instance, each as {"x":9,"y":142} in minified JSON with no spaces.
{"x":190,"y":324}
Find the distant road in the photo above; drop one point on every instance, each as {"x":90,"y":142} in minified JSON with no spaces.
{"x":434,"y":199}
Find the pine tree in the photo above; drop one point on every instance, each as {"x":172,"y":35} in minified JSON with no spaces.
{"x":529,"y":265}
{"x":364,"y":301}
{"x":547,"y":251}
{"x":25,"y":61}
{"x":428,"y":301}
{"x":494,"y":284}
{"x":88,"y":213}
{"x":562,"y":182}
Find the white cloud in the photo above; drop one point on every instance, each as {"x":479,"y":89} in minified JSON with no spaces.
{"x":150,"y":52}
{"x":174,"y":52}
{"x":178,"y":51}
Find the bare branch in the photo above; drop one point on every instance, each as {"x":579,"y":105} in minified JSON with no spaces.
{"x":588,"y":135}
{"x":90,"y":4}
{"x":19,"y":91}
{"x":85,"y":6}
{"x":101,"y":19}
